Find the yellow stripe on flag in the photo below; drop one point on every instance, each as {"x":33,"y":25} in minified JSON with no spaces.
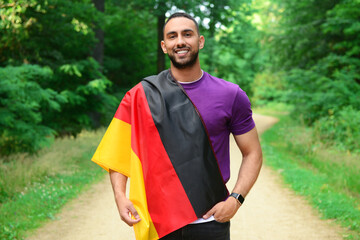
{"x":114,"y":150}
{"x":145,"y":229}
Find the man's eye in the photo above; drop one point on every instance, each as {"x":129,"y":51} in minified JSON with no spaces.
{"x":172,"y":36}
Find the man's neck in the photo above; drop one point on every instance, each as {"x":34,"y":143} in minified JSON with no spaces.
{"x":189,"y":74}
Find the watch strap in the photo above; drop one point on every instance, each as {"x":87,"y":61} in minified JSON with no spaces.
{"x":238,"y":197}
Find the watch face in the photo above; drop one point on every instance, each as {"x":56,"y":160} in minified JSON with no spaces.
{"x":238,"y":197}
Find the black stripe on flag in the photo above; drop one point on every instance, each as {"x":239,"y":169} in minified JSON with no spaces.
{"x":186,"y":142}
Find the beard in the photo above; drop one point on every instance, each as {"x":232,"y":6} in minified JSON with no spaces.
{"x":188,"y":63}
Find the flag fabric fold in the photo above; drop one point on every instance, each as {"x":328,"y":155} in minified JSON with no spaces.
{"x":157,"y":139}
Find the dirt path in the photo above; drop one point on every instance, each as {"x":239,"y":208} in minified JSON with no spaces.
{"x":271,"y":211}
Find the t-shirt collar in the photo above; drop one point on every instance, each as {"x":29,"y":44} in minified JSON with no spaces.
{"x":202,"y":74}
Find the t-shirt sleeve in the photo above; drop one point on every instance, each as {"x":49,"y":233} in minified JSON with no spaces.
{"x":241,"y":119}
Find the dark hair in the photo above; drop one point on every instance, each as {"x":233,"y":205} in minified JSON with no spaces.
{"x":185,"y":15}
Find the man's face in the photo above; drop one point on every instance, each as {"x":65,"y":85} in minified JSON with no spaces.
{"x":182,"y":42}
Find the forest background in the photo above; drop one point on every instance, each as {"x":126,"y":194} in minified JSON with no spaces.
{"x":65,"y":65}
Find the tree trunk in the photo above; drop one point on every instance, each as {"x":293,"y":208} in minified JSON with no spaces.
{"x":98,"y":52}
{"x":98,"y":55}
{"x":160,"y":53}
{"x":212,"y":41}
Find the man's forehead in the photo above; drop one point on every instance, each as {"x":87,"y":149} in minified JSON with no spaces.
{"x":180,"y":24}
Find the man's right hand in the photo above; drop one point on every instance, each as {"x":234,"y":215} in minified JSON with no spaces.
{"x":128,"y":212}
{"x":126,"y":208}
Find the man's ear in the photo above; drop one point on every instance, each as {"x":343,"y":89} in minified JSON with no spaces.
{"x":201,"y":42}
{"x":163,"y":47}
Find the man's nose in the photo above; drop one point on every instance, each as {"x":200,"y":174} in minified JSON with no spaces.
{"x":180,"y":41}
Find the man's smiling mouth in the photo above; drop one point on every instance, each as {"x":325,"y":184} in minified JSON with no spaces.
{"x":182,"y":52}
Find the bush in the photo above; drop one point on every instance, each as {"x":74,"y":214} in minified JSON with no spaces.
{"x":341,"y":129}
{"x":268,"y":87}
{"x":88,"y":105}
{"x":22,"y":103}
{"x":37,"y":104}
{"x":328,"y":87}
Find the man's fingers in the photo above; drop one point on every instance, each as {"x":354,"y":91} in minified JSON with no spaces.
{"x":130,"y":216}
{"x":134,"y":221}
{"x":134,"y":213}
{"x":129,"y":220}
{"x":209,"y":213}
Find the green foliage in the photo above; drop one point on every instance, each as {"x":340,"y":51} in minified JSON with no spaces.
{"x":341,"y":129}
{"x":22,"y":105}
{"x":88,"y":104}
{"x":235,"y":50}
{"x":59,"y":36}
{"x":269,"y":87}
{"x":309,"y":31}
{"x":319,"y":92}
{"x":297,"y":41}
{"x":327,"y":95}
{"x":46,"y":32}
{"x":343,"y":28}
{"x":32,"y":98}
{"x":131,"y":55}
{"x":315,"y":44}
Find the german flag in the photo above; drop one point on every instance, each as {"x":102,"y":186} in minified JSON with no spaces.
{"x":157,"y":138}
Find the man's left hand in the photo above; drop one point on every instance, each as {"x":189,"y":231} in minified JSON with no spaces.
{"x":224,"y":211}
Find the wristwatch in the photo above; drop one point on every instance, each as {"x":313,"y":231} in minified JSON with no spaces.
{"x":238,"y":197}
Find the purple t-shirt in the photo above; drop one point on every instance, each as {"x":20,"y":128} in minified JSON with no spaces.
{"x":225,"y":109}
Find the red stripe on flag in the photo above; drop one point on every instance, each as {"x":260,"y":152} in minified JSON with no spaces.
{"x":123,"y":111}
{"x":168,"y":204}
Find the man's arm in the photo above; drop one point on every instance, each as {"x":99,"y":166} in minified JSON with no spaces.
{"x":250,"y":148}
{"x":125,"y":207}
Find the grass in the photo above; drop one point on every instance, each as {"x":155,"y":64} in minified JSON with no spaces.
{"x":34,"y":188}
{"x":327,"y":177}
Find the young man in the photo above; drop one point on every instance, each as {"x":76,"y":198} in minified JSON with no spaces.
{"x":170,"y":135}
